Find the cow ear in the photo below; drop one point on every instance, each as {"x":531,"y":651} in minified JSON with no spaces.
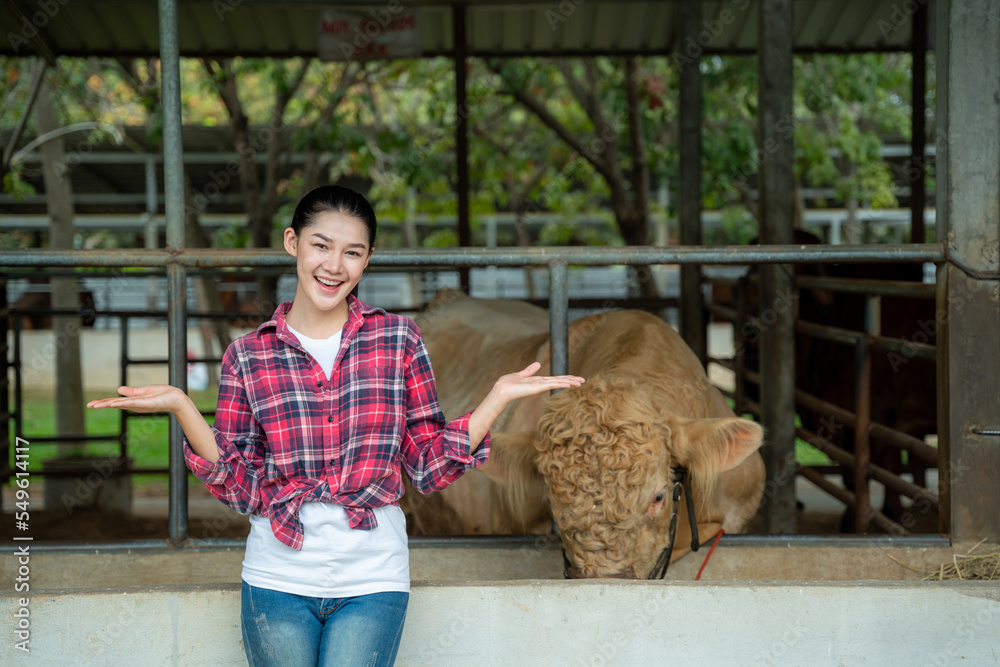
{"x":512,"y":457}
{"x":713,"y":446}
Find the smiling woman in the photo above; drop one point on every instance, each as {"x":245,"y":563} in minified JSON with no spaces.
{"x":332,"y":237}
{"x":321,"y":411}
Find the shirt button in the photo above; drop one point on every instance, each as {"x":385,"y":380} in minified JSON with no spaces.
{"x":333,"y":462}
{"x":330,"y":418}
{"x":319,"y":383}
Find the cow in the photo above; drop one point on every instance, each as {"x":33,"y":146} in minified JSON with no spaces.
{"x":599,"y":459}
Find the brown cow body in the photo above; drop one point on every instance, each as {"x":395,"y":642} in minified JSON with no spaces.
{"x":600,"y":455}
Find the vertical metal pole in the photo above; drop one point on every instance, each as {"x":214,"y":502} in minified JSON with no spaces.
{"x":918,"y":139}
{"x":968,"y":347}
{"x":943,"y":397}
{"x":491,"y":242}
{"x":862,"y":416}
{"x":777,"y":215}
{"x":740,"y":366}
{"x":692,"y":303}
{"x":173,"y":200}
{"x":558,"y":318}
{"x":123,"y":416}
{"x":461,"y":137}
{"x":150,"y":223}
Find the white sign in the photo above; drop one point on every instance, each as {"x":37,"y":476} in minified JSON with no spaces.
{"x":376,"y":34}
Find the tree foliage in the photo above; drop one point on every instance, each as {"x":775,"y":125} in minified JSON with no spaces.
{"x":552,"y":135}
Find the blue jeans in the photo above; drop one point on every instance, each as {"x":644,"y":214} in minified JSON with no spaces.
{"x":288,"y":629}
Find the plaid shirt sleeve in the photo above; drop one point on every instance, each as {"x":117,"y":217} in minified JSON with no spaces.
{"x":435,"y":452}
{"x":236,"y":477}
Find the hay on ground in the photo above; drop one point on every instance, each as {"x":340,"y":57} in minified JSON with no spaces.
{"x":969,"y":567}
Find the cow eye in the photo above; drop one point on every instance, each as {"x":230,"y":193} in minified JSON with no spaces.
{"x":659,"y":497}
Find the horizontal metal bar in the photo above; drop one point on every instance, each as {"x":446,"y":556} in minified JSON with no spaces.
{"x":496,"y":542}
{"x":55,"y":439}
{"x":875,"y":472}
{"x":866,"y":286}
{"x":826,"y":470}
{"x":835,"y":334}
{"x":584,"y":256}
{"x":895,"y":438}
{"x":915,"y":446}
{"x":612,"y":302}
{"x":75,"y":273}
{"x":139,"y":546}
{"x":843,"y":495}
{"x":840,"y":493}
{"x":838,"y":454}
{"x":141,"y":415}
{"x":724,"y":312}
{"x":850,"y":337}
{"x":907,"y":349}
{"x":843,"y":541}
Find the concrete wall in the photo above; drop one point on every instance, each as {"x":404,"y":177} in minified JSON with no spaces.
{"x":552,"y":623}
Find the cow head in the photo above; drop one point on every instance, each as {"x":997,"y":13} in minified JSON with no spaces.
{"x":605,"y":456}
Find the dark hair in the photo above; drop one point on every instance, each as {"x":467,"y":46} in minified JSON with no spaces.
{"x":334,"y":199}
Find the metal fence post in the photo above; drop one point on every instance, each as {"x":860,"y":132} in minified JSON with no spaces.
{"x":777,"y":215}
{"x":968,"y":198}
{"x":862,"y":415}
{"x":173,"y":200}
{"x":559,"y":318}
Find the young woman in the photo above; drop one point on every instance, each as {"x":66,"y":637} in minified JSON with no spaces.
{"x":321,"y":411}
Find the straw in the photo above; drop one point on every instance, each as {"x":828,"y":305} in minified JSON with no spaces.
{"x":965,"y":567}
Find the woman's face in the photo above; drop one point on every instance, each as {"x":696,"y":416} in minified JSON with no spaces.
{"x":331,"y":255}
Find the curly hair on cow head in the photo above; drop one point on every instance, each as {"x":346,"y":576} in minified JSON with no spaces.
{"x":601,"y":451}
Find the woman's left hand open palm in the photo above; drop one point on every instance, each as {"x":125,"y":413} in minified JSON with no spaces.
{"x":526,"y":383}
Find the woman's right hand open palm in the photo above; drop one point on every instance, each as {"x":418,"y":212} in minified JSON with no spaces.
{"x":151,"y":398}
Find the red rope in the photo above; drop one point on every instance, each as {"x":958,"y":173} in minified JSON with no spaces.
{"x":705,"y":562}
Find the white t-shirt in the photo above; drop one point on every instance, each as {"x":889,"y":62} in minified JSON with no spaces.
{"x":335,"y":560}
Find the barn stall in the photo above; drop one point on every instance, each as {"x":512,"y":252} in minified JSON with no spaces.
{"x":156,"y":585}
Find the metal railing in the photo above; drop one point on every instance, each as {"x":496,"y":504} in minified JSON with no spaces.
{"x":864,"y":343}
{"x":178,"y":260}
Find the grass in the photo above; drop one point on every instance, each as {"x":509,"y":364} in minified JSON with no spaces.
{"x":148,"y":437}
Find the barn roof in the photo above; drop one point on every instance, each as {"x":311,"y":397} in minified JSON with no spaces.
{"x":286,"y":28}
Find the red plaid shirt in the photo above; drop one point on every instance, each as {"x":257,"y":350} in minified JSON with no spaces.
{"x":287,"y":435}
